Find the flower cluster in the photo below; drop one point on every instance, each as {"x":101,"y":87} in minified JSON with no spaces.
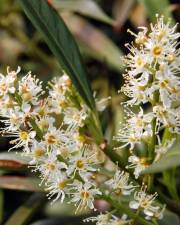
{"x":54,"y":129}
{"x":59,"y":152}
{"x":151,"y":79}
{"x":49,"y":130}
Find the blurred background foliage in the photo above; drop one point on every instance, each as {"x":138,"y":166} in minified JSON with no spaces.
{"x":100,"y":29}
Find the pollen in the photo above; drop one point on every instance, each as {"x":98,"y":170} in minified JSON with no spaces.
{"x":51,"y":139}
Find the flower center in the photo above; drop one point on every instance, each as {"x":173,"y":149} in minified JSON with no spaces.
{"x":38,"y":152}
{"x":164,"y":83}
{"x":61,"y":185}
{"x":51,"y":166}
{"x":84,"y":194}
{"x":27,"y":96}
{"x":23,"y":135}
{"x":139,"y":61}
{"x":80,"y":164}
{"x":157,"y":50}
{"x":51,"y":139}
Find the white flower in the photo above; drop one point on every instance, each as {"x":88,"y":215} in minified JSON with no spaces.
{"x":7,"y":83}
{"x":23,"y":138}
{"x":30,"y":89}
{"x":102,"y":104}
{"x":136,"y":127}
{"x":168,"y":86}
{"x":161,"y":149}
{"x":37,"y":152}
{"x":101,"y":219}
{"x":45,"y":122}
{"x":57,"y":104}
{"x":60,"y":85}
{"x":139,"y":164}
{"x":169,"y":118}
{"x":120,"y":183}
{"x":83,"y":195}
{"x":57,"y":94}
{"x":137,"y":61}
{"x":119,"y":221}
{"x":136,"y":89}
{"x":51,"y":167}
{"x":162,"y":40}
{"x":75,"y":117}
{"x":82,"y":162}
{"x":145,"y":202}
{"x":57,"y":187}
{"x":54,"y":137}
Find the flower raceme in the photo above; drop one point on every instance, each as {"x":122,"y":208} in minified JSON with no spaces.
{"x":52,"y":131}
{"x":152,"y":80}
{"x":58,"y":153}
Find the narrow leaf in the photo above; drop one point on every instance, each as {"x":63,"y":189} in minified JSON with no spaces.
{"x":169,"y":219}
{"x":94,"y":42}
{"x":61,"y":42}
{"x":11,"y":160}
{"x":87,"y":8}
{"x":20,"y":183}
{"x":169,"y":160}
{"x":24,"y":213}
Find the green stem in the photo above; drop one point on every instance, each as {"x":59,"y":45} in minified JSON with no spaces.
{"x":39,"y":133}
{"x":93,"y":124}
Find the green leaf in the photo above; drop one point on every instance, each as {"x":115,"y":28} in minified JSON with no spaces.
{"x":170,"y":160}
{"x":25,"y":212}
{"x":20,"y":183}
{"x":169,"y":219}
{"x":59,"y":39}
{"x":94,"y":42}
{"x":11,"y":160}
{"x":154,"y":7}
{"x":87,"y":8}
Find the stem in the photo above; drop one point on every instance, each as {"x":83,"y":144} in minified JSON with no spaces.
{"x":95,"y":128}
{"x":114,"y":157}
{"x":137,"y":214}
{"x":39,"y":134}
